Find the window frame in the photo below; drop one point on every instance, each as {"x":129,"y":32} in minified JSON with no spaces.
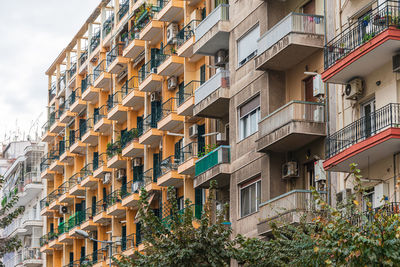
{"x":241,"y":134}
{"x":257,"y":183}
{"x":253,"y":54}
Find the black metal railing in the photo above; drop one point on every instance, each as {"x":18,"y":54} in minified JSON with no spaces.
{"x":130,"y":85}
{"x":114,"y":148}
{"x":95,"y":41}
{"x":189,"y":151}
{"x":168,"y":107}
{"x":148,"y":68}
{"x":100,"y":161}
{"x":83,"y":57}
{"x":123,"y":9}
{"x":115,"y":52}
{"x":72,"y":71}
{"x":187,"y":91}
{"x":52,"y":91}
{"x":167,"y":51}
{"x":169,"y":164}
{"x":113,"y":198}
{"x":358,"y":33}
{"x":387,"y":209}
{"x":99,"y":69}
{"x":128,"y":136}
{"x":108,"y":25}
{"x":114,"y":100}
{"x":363,"y":128}
{"x":100,"y":113}
{"x":87,"y":82}
{"x":187,"y":32}
{"x":151,"y":121}
{"x":74,"y":96}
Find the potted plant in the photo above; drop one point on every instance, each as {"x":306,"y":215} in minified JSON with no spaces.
{"x":135,"y":135}
{"x":366,"y":20}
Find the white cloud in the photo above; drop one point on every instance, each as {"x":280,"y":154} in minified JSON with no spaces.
{"x":33,"y":33}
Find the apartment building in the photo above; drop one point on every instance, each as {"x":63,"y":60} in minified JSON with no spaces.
{"x":178,"y":93}
{"x":361,"y":62}
{"x":22,"y":178}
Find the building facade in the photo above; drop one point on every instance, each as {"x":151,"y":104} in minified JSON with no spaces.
{"x":178,"y":93}
{"x":22,"y":178}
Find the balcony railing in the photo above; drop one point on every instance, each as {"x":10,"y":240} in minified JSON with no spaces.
{"x":74,"y":96}
{"x":108,"y":25}
{"x":187,"y":32}
{"x":168,"y":107}
{"x":114,"y":100}
{"x":44,"y":240}
{"x":169,"y":164}
{"x":189,"y":151}
{"x":129,"y":242}
{"x":363,"y":128}
{"x":292,"y":23}
{"x":87,"y":126}
{"x":100,"y":161}
{"x":128,"y":136}
{"x":76,"y":220}
{"x":31,"y":254}
{"x":96,"y":257}
{"x":72,"y":71}
{"x":95,"y":41}
{"x":101,"y":206}
{"x":62,"y":228}
{"x":113,"y":198}
{"x":62,"y":82}
{"x":88,"y":81}
{"x":150,"y":176}
{"x":219,"y":80}
{"x":129,"y":36}
{"x":166,"y":215}
{"x":52,"y":91}
{"x":358,"y":33}
{"x":150,"y":121}
{"x":83,"y":57}
{"x":115,"y":52}
{"x":186,"y":92}
{"x":220,"y":13}
{"x":166,"y":52}
{"x":99,"y":69}
{"x":113,"y":149}
{"x":217,"y":156}
{"x":148,"y":68}
{"x":100,"y":113}
{"x":123,"y":9}
{"x":133,"y":187}
{"x":292,"y":111}
{"x":130,"y":85}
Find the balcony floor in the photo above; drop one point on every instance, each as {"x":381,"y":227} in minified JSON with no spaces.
{"x":216,"y":105}
{"x":220,"y":173}
{"x":215,"y":39}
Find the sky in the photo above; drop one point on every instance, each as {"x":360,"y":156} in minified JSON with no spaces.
{"x":33,"y":34}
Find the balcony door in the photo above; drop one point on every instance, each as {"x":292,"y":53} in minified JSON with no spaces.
{"x":309,"y":7}
{"x":368,"y":118}
{"x":309,"y":90}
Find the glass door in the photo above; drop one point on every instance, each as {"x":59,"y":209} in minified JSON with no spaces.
{"x":368,"y":121}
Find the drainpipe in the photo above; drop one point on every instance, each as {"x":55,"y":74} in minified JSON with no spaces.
{"x":328,"y":176}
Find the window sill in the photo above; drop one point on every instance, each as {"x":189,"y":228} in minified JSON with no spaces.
{"x":241,"y":140}
{"x":248,"y":215}
{"x":245,"y":63}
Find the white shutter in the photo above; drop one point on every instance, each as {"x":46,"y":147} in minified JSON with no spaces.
{"x":248,"y":44}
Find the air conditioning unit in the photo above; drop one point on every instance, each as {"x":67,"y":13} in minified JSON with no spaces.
{"x":319,"y":114}
{"x":289,"y":170}
{"x":354,"y":89}
{"x":172,"y":83}
{"x":153,"y":70}
{"x":221,"y":137}
{"x":220,"y":58}
{"x":63,"y":209}
{"x":193,"y":131}
{"x":136,"y":162}
{"x":342,"y":196}
{"x":318,"y":86}
{"x":155,"y":96}
{"x":118,"y":240}
{"x":381,"y":193}
{"x":172,"y":31}
{"x":121,"y":174}
{"x":107,"y":178}
{"x":319,"y":172}
{"x":396,"y":63}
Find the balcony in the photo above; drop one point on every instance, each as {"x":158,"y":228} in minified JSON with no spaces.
{"x":101,"y":123}
{"x":88,"y":224}
{"x":108,"y":25}
{"x":32,"y":185}
{"x":75,"y":188}
{"x":74,"y":223}
{"x":52,"y":92}
{"x":76,"y":104}
{"x":63,"y":235}
{"x":62,"y":84}
{"x":94,"y":44}
{"x":152,"y":32}
{"x":290,"y":41}
{"x":171,"y":10}
{"x":133,"y":45}
{"x":213,"y":166}
{"x":131,"y":197}
{"x":211,"y":99}
{"x":185,"y":98}
{"x":57,"y":126}
{"x":30,"y":257}
{"x":169,"y":173}
{"x":149,"y":80}
{"x":364,"y":46}
{"x":101,"y":216}
{"x":89,"y":92}
{"x":212,"y":34}
{"x":65,"y":114}
{"x":291,"y":127}
{"x":365,"y":141}
{"x":100,"y":166}
{"x":44,"y":242}
{"x":131,"y":96}
{"x":44,"y":208}
{"x":86,"y":174}
{"x":116,"y":111}
{"x":89,"y":135}
{"x":130,"y":244}
{"x":47,"y":136}
{"x":285,"y":209}
{"x":45,"y":173}
{"x":169,"y":120}
{"x":189,"y":156}
{"x":95,"y":259}
{"x":65,"y":196}
{"x":151,"y":135}
{"x":56,"y":165}
{"x":102,"y":79}
{"x":123,"y":10}
{"x":186,"y":40}
{"x":150,"y":179}
{"x":170,"y":64}
{"x":71,"y":75}
{"x":114,"y":158}
{"x":115,"y":61}
{"x":114,"y":204}
{"x":83,"y":62}
{"x":130,"y":144}
{"x":53,"y":199}
{"x":76,"y":144}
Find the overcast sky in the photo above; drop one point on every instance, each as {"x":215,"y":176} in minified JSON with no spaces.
{"x":33,"y":33}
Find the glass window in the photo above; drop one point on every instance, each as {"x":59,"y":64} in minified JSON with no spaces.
{"x":250,"y":197}
{"x":249,"y":116}
{"x":247,"y":46}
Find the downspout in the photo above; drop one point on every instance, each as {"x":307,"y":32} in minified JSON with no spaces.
{"x":328,"y":176}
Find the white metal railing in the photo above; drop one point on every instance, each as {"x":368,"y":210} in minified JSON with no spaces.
{"x":221,"y":12}
{"x":294,"y":22}
{"x":219,"y":80}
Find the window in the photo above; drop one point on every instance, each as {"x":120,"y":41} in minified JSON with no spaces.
{"x":249,"y":116}
{"x":250,"y":196}
{"x":247,"y":46}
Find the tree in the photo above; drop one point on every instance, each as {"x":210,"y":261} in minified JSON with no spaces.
{"x":181,"y":239}
{"x":342,"y":236}
{"x":8,"y":213}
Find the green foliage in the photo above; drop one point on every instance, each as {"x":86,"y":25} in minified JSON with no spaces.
{"x":207,"y":149}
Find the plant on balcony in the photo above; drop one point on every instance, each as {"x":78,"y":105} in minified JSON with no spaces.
{"x":207,"y":149}
{"x":342,"y":236}
{"x":8,"y":213}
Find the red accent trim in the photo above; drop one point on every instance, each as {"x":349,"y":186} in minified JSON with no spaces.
{"x":362,"y":146}
{"x":389,"y":34}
